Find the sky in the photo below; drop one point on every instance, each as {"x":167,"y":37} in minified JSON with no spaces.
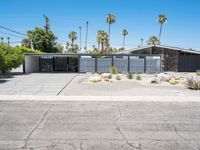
{"x":139,"y":17}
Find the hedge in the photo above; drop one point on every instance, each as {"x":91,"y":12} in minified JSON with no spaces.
{"x":12,"y":57}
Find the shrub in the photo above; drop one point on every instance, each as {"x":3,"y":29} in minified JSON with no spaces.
{"x":129,"y":75}
{"x":12,"y":57}
{"x":198,"y":72}
{"x":118,"y":78}
{"x":138,"y":77}
{"x":193,"y":83}
{"x":113,"y":70}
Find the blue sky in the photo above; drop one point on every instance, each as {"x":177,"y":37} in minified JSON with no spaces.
{"x":137,"y":16}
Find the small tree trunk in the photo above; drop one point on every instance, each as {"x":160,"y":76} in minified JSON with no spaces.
{"x":123,"y":42}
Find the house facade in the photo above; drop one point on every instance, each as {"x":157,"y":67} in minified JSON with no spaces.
{"x":172,"y":58}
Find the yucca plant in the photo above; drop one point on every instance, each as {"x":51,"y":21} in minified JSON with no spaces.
{"x":193,"y":83}
{"x":129,"y":75}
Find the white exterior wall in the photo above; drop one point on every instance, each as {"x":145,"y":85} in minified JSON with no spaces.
{"x":31,"y":64}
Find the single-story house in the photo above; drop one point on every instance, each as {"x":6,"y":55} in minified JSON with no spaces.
{"x":172,"y":58}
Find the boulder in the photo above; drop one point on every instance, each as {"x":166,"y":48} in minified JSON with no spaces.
{"x":163,"y":77}
{"x":106,"y":75}
{"x":95,"y":79}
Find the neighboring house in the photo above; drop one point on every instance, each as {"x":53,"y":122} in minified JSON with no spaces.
{"x":172,"y":58}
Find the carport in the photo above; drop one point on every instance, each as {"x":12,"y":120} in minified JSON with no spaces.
{"x":82,"y":63}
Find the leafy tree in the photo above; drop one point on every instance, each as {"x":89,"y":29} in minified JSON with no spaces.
{"x":103,"y":40}
{"x":12,"y":57}
{"x":124,"y":33}
{"x":153,"y":40}
{"x":42,"y":40}
{"x":161,"y":19}
{"x":110,"y":19}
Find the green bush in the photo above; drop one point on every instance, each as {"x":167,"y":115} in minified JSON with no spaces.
{"x":12,"y":57}
{"x":138,"y":77}
{"x":113,"y":70}
{"x":198,"y":72}
{"x":129,"y":75}
{"x":193,"y":83}
{"x":118,"y":78}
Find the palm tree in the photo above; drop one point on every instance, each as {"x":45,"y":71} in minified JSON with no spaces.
{"x":110,"y":19}
{"x":72,"y":36}
{"x":142,"y":40}
{"x":103,"y":41}
{"x":86,"y":35}
{"x":161,"y":19}
{"x":2,"y":40}
{"x":124,"y":33}
{"x":8,"y":38}
{"x":153,"y":40}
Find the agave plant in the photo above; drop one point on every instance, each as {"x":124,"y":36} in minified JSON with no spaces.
{"x":193,"y":83}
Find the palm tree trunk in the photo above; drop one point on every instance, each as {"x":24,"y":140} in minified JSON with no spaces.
{"x":160,"y":31}
{"x":80,"y":38}
{"x":123,"y":42}
{"x":109,"y":28}
{"x":86,"y":37}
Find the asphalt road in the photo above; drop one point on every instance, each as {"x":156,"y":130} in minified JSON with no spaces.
{"x":99,"y":125}
{"x":35,"y":84}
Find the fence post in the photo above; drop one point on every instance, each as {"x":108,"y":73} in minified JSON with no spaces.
{"x":145,"y":64}
{"x":112,"y":60}
{"x":95,"y":64}
{"x":128,"y":63}
{"x":79,"y":63}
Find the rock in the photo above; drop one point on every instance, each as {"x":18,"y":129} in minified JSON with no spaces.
{"x":163,"y":77}
{"x":154,"y":80}
{"x":106,"y":75}
{"x":173,"y":81}
{"x":95,"y":79}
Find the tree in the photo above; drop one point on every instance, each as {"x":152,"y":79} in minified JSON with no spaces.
{"x":41,"y":40}
{"x":153,"y":40}
{"x":103,"y":41}
{"x":1,"y":39}
{"x":110,"y":19}
{"x":161,"y":19}
{"x":12,"y":57}
{"x":72,"y":36}
{"x":124,"y":33}
{"x":73,"y":48}
{"x":86,"y":35}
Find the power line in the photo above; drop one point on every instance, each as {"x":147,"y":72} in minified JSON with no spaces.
{"x":11,"y":34}
{"x":12,"y":30}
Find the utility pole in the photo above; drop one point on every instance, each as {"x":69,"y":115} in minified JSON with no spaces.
{"x":8,"y":38}
{"x":47,"y":23}
{"x":86,"y":37}
{"x":142,"y":40}
{"x":80,"y":36}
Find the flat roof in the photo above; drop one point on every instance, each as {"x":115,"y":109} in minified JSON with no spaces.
{"x":161,"y":46}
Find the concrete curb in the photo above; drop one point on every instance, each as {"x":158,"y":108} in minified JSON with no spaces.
{"x":99,"y":98}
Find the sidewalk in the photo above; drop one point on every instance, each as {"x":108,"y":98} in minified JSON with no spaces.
{"x":100,"y":98}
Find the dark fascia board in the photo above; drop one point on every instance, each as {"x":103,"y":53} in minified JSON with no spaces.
{"x":162,"y":46}
{"x":77,"y":55}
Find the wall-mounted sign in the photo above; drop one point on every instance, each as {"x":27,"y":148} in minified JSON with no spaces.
{"x":47,"y":57}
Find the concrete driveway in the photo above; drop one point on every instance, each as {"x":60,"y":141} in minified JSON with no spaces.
{"x":99,"y":125}
{"x":35,"y":84}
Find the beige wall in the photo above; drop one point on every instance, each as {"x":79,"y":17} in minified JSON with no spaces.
{"x":31,"y":64}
